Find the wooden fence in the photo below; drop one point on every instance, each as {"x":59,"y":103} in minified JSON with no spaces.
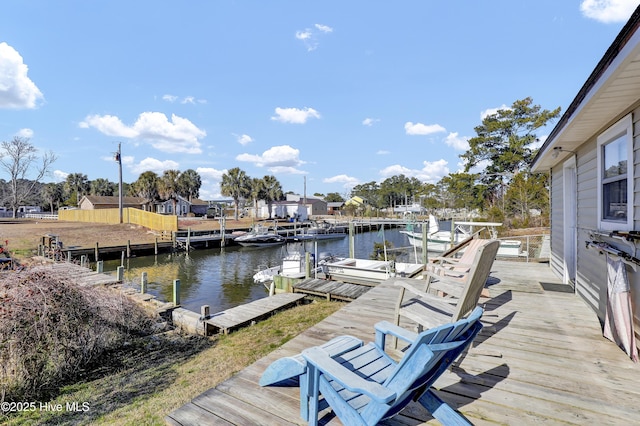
{"x":154,"y":221}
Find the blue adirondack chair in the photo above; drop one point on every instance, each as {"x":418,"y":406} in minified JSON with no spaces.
{"x":365,"y":385}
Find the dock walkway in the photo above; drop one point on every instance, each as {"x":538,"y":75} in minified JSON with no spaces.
{"x":80,"y":274}
{"x":550,"y":363}
{"x":332,"y":290}
{"x":231,"y":319}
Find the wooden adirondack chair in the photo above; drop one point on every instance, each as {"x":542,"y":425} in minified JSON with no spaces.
{"x":457,"y":266}
{"x":365,"y":385}
{"x":461,"y":294}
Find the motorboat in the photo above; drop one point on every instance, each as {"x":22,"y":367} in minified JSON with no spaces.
{"x":293,"y":265}
{"x":260,"y":236}
{"x":320,"y":230}
{"x":439,"y":241}
{"x":368,"y":272}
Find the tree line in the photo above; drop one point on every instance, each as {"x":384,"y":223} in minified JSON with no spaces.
{"x":496,"y":178}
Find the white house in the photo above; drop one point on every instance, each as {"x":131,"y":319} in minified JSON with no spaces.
{"x":593,"y":158}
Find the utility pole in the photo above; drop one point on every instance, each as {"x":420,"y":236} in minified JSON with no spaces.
{"x":120,"y":197}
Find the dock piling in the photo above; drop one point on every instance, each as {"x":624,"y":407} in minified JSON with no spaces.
{"x":120,"y":274}
{"x":99,"y":266}
{"x":143,"y":283}
{"x":176,"y":292}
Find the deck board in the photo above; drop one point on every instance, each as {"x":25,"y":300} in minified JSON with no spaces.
{"x":331,"y":289}
{"x":239,"y":316}
{"x":550,"y":363}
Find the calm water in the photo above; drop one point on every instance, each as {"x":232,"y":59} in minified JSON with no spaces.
{"x":223,"y":277}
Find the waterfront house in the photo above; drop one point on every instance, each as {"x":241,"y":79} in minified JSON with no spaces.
{"x":183,"y":207}
{"x":593,"y":159}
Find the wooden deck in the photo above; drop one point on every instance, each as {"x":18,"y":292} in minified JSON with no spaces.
{"x":80,"y":274}
{"x":540,"y":359}
{"x":231,"y":319}
{"x":332,"y":290}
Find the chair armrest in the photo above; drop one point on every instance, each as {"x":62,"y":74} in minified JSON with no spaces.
{"x":385,"y":327}
{"x":446,"y":284}
{"x":319,"y":359}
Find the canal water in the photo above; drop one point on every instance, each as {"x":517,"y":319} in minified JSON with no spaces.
{"x":223,"y":277}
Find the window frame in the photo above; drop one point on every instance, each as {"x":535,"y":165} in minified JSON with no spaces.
{"x":623,"y":128}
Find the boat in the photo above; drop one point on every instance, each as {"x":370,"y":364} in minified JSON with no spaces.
{"x":320,"y":231}
{"x":260,"y":236}
{"x":439,"y":241}
{"x":293,"y":265}
{"x":368,"y":272}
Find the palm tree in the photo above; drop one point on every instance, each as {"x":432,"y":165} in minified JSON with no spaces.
{"x":272,"y":191}
{"x":102,"y":186}
{"x":168,"y":187}
{"x":146,"y":187}
{"x":189,"y":184}
{"x":256,"y":191}
{"x":235,"y":184}
{"x":76,"y":184}
{"x":52,"y":193}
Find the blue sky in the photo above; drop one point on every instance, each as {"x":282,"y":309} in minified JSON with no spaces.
{"x":337,"y":93}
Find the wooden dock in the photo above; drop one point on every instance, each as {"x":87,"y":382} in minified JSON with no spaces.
{"x":540,"y":359}
{"x":332,"y":290}
{"x":80,"y":274}
{"x":234,"y":318}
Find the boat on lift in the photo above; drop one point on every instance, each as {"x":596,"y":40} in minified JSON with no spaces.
{"x":260,"y":236}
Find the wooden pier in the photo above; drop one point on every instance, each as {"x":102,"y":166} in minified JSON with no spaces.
{"x":541,"y":358}
{"x":332,"y":290}
{"x":234,"y":318}
{"x":80,"y":274}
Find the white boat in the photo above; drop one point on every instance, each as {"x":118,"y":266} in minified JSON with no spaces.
{"x":320,"y":231}
{"x":293,"y":266}
{"x":260,"y":236}
{"x":439,"y":241}
{"x":368,"y":272}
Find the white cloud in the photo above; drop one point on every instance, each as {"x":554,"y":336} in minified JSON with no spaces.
{"x":211,"y":178}
{"x":309,"y":36}
{"x":295,"y":115}
{"x":243,"y":139}
{"x":346,"y":181}
{"x":456,"y":142}
{"x":324,"y":28}
{"x":383,"y":152}
{"x":608,"y":11}
{"x":369,"y":121}
{"x":177,"y":135}
{"x":25,"y":133}
{"x":491,"y":111}
{"x":154,"y":165}
{"x":169,"y":98}
{"x":59,"y":176}
{"x":422,"y":129}
{"x":188,"y":100}
{"x":282,"y":156}
{"x":432,"y":171}
{"x":17,"y":91}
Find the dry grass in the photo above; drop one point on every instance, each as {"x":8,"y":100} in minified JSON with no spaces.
{"x":159,"y":374}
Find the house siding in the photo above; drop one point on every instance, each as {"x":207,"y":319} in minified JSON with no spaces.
{"x":591,"y":274}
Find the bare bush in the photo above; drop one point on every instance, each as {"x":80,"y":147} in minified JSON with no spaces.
{"x":51,"y":328}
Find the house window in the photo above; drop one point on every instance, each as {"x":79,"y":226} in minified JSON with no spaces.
{"x":615,"y":176}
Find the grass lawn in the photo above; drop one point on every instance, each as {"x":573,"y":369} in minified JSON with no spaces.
{"x":155,"y":375}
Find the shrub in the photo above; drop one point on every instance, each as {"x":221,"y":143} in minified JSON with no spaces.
{"x":51,"y":328}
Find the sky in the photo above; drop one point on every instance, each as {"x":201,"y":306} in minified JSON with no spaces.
{"x":323,"y":95}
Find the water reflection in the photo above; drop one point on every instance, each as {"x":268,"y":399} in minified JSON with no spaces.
{"x":223,"y":277}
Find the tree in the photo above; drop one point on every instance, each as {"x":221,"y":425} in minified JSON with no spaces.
{"x":504,"y":142}
{"x":189,"y":183}
{"x":76,"y":185}
{"x":146,"y":186}
{"x":102,"y":186}
{"x":52,"y":193}
{"x":463,"y":191}
{"x":235,"y":184}
{"x":256,"y":190}
{"x":333,"y":197}
{"x":369,"y":191}
{"x":272,"y":191}
{"x":18,"y":158}
{"x":168,"y":187}
{"x":528,"y":191}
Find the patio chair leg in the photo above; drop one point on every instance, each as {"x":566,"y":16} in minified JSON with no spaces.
{"x":441,"y":411}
